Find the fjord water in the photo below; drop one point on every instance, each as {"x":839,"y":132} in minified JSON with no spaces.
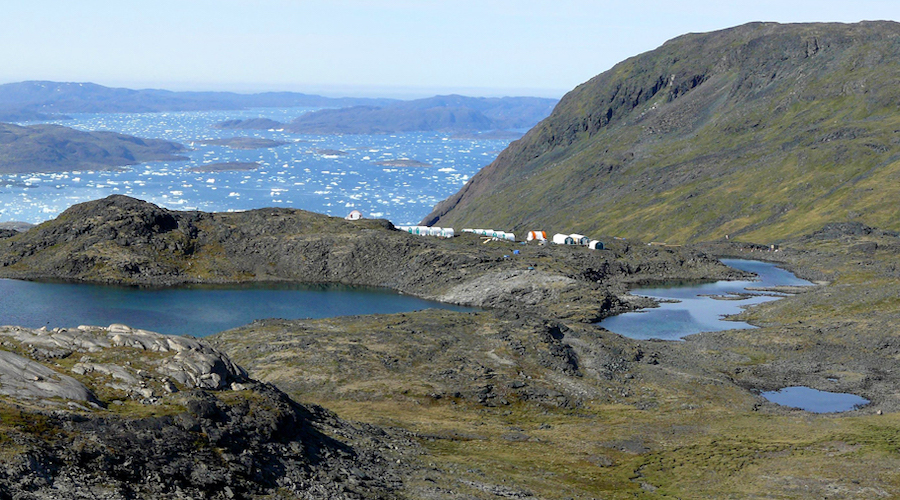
{"x":197,"y":310}
{"x":700,"y":307}
{"x":330,"y":174}
{"x":815,"y":401}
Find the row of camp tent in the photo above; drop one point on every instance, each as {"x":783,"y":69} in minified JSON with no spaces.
{"x":559,"y":239}
{"x":441,"y":232}
{"x":566,"y":239}
{"x":492,"y":233}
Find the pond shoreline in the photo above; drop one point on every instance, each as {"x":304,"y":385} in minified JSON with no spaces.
{"x":687,"y":308}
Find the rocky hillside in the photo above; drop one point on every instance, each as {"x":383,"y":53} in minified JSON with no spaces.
{"x":760,"y":131}
{"x":54,"y":148}
{"x":119,"y":413}
{"x":128,"y":241}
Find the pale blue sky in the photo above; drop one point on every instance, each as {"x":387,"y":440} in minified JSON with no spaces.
{"x":356,"y":47}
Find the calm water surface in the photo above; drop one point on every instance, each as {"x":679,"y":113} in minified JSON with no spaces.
{"x":197,"y":310}
{"x":814,"y":400}
{"x":696,"y":309}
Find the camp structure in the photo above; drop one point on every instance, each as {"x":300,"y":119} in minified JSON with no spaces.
{"x":563,"y":239}
{"x":536,"y":235}
{"x":441,"y":232}
{"x":354,"y":215}
{"x":492,"y":233}
{"x":596,"y":245}
{"x":580,"y":239}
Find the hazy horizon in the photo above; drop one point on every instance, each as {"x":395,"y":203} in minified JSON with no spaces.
{"x":384,"y":48}
{"x":326,"y":90}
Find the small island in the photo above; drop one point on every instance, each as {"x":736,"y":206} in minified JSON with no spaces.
{"x":330,"y":152}
{"x":231,"y":166}
{"x":403,"y":163}
{"x":249,"y":124}
{"x":241,"y":143}
{"x":504,"y":135}
{"x":54,"y":148}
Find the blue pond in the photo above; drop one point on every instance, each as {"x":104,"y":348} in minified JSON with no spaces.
{"x":699,"y":307}
{"x":815,"y":401}
{"x":197,"y":310}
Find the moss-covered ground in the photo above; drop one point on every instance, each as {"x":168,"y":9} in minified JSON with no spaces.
{"x":639,"y":419}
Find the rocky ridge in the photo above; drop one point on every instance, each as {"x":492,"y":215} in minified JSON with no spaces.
{"x":122,"y":413}
{"x":123,"y":240}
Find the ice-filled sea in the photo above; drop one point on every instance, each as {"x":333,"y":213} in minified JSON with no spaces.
{"x":331,"y":174}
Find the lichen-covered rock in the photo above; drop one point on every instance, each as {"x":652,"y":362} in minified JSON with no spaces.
{"x":23,"y":378}
{"x":259,"y":445}
{"x":157,"y":416}
{"x":508,"y":288}
{"x":189,"y":362}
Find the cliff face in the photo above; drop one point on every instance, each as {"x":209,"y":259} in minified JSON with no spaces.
{"x":763,"y":130}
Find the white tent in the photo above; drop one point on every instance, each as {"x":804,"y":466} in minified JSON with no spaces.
{"x":563,"y":239}
{"x":580,"y":239}
{"x":441,"y":232}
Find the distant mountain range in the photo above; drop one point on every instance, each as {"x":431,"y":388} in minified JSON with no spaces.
{"x":759,"y":132}
{"x":37,"y":100}
{"x":451,"y":113}
{"x":53,"y":148}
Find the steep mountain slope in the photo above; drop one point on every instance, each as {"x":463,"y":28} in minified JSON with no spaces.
{"x":760,"y":131}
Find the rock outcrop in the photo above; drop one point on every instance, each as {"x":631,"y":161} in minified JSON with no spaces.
{"x":22,"y":378}
{"x":128,"y":241}
{"x":187,"y":362}
{"x":120,"y":413}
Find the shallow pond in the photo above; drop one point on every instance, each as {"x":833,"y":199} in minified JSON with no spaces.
{"x":814,"y":400}
{"x":693,"y":308}
{"x":197,"y":310}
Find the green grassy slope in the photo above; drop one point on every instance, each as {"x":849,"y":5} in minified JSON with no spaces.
{"x":761,"y":132}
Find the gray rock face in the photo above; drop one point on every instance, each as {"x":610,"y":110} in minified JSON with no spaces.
{"x":19,"y":227}
{"x":156,"y":416}
{"x":22,"y":378}
{"x":189,"y":362}
{"x":261,"y":446}
{"x":523,"y":287}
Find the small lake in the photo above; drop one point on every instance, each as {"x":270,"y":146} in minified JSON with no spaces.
{"x":815,"y":401}
{"x":197,"y":310}
{"x":693,"y":308}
